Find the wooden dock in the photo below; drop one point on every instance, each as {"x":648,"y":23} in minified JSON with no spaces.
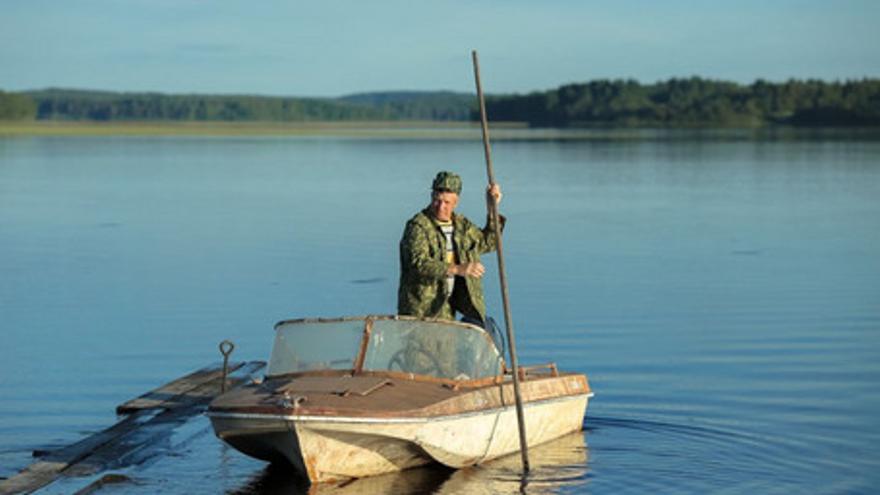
{"x":146,"y":420}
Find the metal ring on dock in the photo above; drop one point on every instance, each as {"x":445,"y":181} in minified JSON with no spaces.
{"x":226,"y":348}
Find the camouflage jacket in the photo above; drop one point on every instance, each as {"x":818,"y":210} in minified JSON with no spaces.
{"x":423,"y":291}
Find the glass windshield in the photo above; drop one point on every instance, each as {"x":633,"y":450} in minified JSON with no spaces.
{"x":442,"y":350}
{"x":315,"y":345}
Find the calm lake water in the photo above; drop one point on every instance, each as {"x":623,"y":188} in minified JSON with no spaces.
{"x":722,"y":294}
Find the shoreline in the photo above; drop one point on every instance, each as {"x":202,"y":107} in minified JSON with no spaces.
{"x":500,"y":131}
{"x":220,"y":128}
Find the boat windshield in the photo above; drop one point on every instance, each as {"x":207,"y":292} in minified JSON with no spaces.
{"x":315,"y":345}
{"x":439,"y":349}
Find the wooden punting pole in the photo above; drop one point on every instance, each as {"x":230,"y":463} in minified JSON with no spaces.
{"x":493,"y":213}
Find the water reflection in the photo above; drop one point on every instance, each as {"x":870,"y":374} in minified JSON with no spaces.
{"x":555,"y":465}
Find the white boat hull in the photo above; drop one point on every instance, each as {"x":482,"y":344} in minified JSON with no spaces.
{"x":326,"y":448}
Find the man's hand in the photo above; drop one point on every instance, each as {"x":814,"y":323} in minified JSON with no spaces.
{"x":493,"y":193}
{"x":475,"y":269}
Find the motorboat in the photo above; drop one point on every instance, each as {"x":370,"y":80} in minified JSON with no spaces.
{"x":362,"y":396}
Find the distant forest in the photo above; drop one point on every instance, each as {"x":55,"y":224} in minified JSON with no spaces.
{"x":672,"y":103}
{"x":16,"y":106}
{"x":72,"y":105}
{"x":696,"y":102}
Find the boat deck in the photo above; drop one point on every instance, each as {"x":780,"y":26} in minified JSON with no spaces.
{"x":386,"y":395}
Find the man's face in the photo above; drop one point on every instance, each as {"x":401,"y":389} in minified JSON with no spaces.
{"x":442,"y":205}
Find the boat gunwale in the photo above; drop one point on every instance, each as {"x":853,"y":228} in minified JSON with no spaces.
{"x":473,"y":383}
{"x":377,"y":419}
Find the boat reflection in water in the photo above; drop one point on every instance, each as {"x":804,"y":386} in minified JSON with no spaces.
{"x":353,"y":397}
{"x":555,"y":465}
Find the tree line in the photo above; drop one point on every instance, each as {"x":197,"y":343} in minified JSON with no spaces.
{"x":16,"y":106}
{"x":673,"y":103}
{"x":695,"y":102}
{"x":77,"y":105}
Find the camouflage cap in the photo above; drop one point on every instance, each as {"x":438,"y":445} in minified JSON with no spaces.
{"x":447,"y":181}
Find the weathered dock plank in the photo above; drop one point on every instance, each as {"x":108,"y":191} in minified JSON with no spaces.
{"x":164,"y":396}
{"x":106,"y":480}
{"x":33,"y":477}
{"x":152,"y":417}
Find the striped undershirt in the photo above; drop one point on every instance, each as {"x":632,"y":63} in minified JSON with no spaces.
{"x":446,"y":227}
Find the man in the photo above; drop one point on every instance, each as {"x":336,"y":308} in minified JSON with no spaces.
{"x":440,"y":269}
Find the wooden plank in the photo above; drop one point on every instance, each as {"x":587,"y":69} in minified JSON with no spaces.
{"x":203,"y":393}
{"x":164,"y":396}
{"x":104,"y":481}
{"x":138,"y":430}
{"x":33,"y":477}
{"x":51,"y":464}
{"x":135,"y":446}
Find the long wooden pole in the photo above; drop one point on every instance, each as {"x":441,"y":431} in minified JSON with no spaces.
{"x":493,"y":214}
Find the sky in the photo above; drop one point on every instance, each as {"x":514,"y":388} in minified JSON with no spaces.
{"x":334,"y":48}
